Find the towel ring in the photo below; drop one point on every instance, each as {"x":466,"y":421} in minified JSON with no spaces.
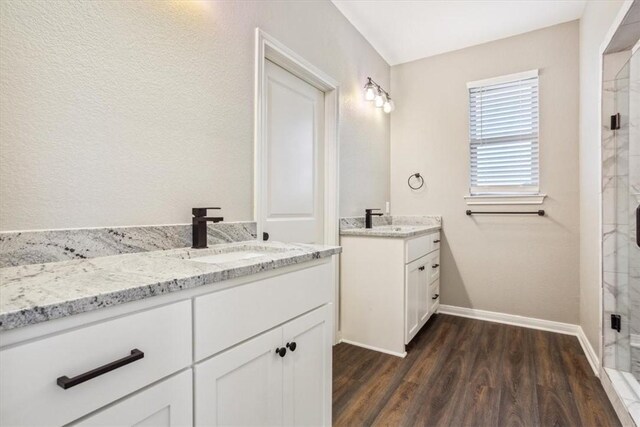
{"x":418,"y":177}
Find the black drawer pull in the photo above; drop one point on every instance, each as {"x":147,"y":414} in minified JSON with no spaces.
{"x":435,"y":266}
{"x":292,"y":346}
{"x":281,"y":351}
{"x":436,"y":241}
{"x":65,"y":382}
{"x":436,"y":296}
{"x":421,"y":268}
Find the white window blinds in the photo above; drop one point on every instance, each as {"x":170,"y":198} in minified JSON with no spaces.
{"x":503,"y":132}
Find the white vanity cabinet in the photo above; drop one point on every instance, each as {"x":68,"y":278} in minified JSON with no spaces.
{"x":422,"y":292}
{"x":280,"y":377}
{"x":207,"y":354}
{"x":167,"y":404}
{"x":389,"y":289}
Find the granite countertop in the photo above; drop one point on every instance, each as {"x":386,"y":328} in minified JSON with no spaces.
{"x":393,"y":231}
{"x":396,"y":226}
{"x":35,"y":293}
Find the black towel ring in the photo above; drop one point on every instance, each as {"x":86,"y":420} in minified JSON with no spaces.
{"x":417,"y":176}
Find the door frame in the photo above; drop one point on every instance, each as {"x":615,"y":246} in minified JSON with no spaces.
{"x":267,"y":47}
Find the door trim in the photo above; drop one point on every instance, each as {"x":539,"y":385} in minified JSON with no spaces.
{"x":267,"y":47}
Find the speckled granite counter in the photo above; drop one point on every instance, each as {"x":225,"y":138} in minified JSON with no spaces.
{"x":397,"y":226}
{"x":36,"y":293}
{"x":396,"y":231}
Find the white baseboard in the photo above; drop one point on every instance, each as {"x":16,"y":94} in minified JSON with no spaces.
{"x":370,"y":347}
{"x":529,"y":322}
{"x":591,"y":354}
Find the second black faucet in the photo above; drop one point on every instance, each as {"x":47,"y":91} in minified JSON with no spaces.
{"x":368,"y":214}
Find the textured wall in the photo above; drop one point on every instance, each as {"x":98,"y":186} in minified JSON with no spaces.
{"x":518,"y":265}
{"x":132,"y":112}
{"x":595,"y":22}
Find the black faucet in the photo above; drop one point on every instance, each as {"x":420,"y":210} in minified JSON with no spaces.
{"x":199,"y":226}
{"x":368,"y":213}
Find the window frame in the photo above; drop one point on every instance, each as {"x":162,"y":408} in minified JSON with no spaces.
{"x":518,"y":193}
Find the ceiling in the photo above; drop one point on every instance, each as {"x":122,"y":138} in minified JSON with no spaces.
{"x":406,"y":30}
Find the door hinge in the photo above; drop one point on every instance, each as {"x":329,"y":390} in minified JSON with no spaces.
{"x":615,"y":121}
{"x":616,"y":322}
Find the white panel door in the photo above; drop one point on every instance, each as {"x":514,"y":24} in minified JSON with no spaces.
{"x":292,"y":191}
{"x":166,"y":404}
{"x":307,"y":369}
{"x":241,"y":386}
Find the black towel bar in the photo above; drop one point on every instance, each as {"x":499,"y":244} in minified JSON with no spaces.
{"x":539,"y":212}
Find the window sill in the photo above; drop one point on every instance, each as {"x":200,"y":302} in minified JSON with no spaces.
{"x":505,"y":199}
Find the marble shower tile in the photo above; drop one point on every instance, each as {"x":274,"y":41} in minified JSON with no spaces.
{"x":615,"y":248}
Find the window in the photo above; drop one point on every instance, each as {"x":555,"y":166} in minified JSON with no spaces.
{"x":503,"y":134}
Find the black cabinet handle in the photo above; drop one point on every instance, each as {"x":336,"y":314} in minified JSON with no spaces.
{"x":436,"y":241}
{"x":638,"y":226}
{"x":292,"y":346}
{"x":66,"y":382}
{"x":281,"y":351}
{"x":436,"y":296}
{"x":421,"y":268}
{"x":435,"y":266}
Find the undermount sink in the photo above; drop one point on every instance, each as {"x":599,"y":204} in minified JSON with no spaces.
{"x":392,"y":228}
{"x":229,"y":257}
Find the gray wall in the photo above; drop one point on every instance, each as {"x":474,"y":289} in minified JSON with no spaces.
{"x":519,"y":265}
{"x":595,"y":22}
{"x":132,"y":112}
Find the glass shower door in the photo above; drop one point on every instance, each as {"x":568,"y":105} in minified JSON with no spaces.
{"x":633,"y":210}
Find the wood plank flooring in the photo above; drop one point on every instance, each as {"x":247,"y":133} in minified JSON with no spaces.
{"x":464,"y":372}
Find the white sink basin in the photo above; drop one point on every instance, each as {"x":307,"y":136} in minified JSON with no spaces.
{"x":393,"y":228}
{"x":228,"y":257}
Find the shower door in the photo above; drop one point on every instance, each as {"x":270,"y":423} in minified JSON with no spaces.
{"x":621,"y":200}
{"x":633,"y":212}
{"x":625,"y":262}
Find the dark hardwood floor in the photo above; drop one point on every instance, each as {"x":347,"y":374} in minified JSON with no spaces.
{"x":464,"y":372}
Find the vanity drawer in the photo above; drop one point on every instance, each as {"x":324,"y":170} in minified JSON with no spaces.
{"x":434,"y":266}
{"x":420,"y":246}
{"x":30,"y":393}
{"x":225,"y":318}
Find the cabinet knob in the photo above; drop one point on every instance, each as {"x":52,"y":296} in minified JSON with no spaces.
{"x":421,"y":268}
{"x":436,"y":241}
{"x":436,"y":296}
{"x":292,"y":346}
{"x":281,"y":351}
{"x":435,"y":266}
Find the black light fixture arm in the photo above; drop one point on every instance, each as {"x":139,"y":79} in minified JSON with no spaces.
{"x":377,"y":85}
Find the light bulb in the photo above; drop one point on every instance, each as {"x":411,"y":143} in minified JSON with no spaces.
{"x":379,"y":100}
{"x":391,"y":105}
{"x":387,"y":107}
{"x":369,"y":94}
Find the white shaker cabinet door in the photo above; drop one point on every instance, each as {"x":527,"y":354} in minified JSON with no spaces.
{"x":307,"y":369}
{"x":241,"y":386}
{"x":166,"y":404}
{"x":412,"y":283}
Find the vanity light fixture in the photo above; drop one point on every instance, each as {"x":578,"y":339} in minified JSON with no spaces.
{"x":380,"y":97}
